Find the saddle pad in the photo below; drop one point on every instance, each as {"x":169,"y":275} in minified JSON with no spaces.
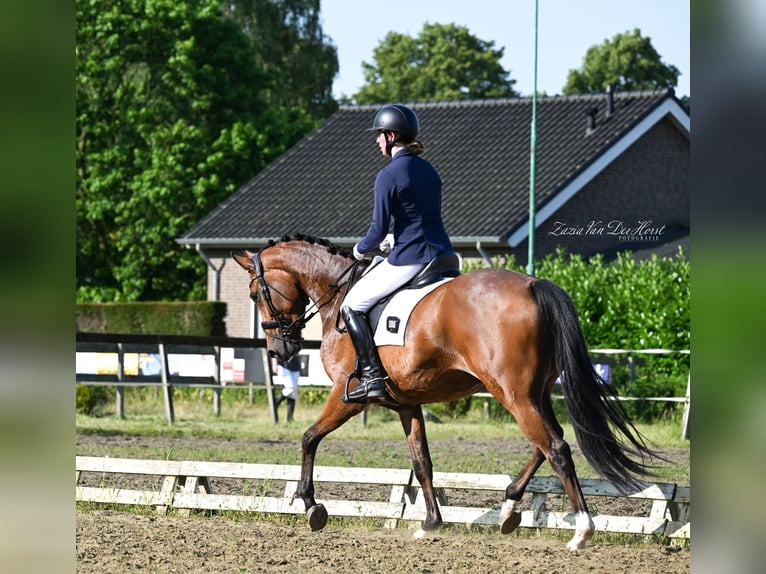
{"x":393,"y":320}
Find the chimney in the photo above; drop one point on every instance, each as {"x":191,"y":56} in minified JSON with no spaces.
{"x":591,"y":113}
{"x":609,"y":102}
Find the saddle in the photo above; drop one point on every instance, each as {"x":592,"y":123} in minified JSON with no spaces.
{"x":441,"y":267}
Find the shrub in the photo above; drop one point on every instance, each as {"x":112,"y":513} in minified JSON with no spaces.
{"x":451,"y":410}
{"x":654,"y":385}
{"x":628,"y":304}
{"x":201,"y":318}
{"x":90,"y":398}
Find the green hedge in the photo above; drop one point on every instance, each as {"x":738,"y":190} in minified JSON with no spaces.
{"x":630,"y":304}
{"x":625,"y":304}
{"x":201,"y":318}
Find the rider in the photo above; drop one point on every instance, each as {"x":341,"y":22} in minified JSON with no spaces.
{"x":408,"y":192}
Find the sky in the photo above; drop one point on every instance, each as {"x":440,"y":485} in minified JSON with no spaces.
{"x":566,"y":29}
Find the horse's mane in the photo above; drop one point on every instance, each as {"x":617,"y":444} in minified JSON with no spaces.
{"x":331,"y":247}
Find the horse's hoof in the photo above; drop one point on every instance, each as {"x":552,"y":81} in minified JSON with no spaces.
{"x":510,"y":522}
{"x":575,"y":545}
{"x":317,"y":517}
{"x":420,"y":534}
{"x":583,"y":532}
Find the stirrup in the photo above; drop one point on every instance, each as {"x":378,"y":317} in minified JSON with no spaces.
{"x":365,"y":392}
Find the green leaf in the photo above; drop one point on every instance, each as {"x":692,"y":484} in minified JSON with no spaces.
{"x":444,"y":62}
{"x":628,"y":62}
{"x":176,"y":108}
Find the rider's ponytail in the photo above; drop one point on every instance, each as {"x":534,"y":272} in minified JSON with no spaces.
{"x":415,"y":147}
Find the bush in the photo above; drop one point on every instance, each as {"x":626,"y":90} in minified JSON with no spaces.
{"x":200,"y":318}
{"x":628,"y":304}
{"x":493,"y":410}
{"x":451,"y":410}
{"x":89,"y":399}
{"x":654,"y":385}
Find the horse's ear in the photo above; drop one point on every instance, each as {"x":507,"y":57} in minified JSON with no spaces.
{"x":244,"y":259}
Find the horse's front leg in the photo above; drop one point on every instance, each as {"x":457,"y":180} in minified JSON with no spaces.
{"x":415,"y":430}
{"x":334,"y":414}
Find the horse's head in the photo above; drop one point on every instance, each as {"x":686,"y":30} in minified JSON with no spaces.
{"x":280,"y":300}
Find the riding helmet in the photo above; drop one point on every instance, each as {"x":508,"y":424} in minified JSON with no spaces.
{"x":397,"y":118}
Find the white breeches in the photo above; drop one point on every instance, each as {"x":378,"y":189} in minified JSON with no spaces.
{"x":378,"y":282}
{"x":289,"y":381}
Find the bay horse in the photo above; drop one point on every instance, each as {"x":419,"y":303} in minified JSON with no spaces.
{"x":505,"y":331}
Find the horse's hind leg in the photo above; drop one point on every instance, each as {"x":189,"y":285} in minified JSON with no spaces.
{"x":510,"y":518}
{"x":560,"y":457}
{"x":415,"y":430}
{"x":541,"y":428}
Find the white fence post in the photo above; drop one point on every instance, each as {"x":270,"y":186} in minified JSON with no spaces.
{"x":687,"y":408}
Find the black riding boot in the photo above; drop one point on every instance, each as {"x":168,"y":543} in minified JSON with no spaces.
{"x":372,"y":380}
{"x":290,"y":409}
{"x":277,"y":402}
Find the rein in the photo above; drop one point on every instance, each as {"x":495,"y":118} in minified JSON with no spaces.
{"x":279,"y":321}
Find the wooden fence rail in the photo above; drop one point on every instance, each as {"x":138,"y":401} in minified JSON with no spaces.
{"x":186,"y":485}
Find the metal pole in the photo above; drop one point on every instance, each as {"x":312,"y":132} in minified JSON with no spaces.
{"x":532,"y":163}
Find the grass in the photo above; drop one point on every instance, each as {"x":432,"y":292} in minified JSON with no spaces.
{"x":242,"y":420}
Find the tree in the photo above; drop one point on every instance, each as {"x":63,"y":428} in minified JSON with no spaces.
{"x":170,"y":120}
{"x":628,"y":62}
{"x":445,"y":62}
{"x":291,"y":47}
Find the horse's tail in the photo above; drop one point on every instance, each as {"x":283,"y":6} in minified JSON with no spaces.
{"x":590,"y":401}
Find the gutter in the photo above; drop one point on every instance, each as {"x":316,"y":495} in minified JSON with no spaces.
{"x":216,"y":271}
{"x":484,"y":254}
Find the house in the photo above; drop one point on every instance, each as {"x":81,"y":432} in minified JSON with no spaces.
{"x":611,"y":174}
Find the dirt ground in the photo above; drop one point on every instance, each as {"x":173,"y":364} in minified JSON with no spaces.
{"x":115,"y":541}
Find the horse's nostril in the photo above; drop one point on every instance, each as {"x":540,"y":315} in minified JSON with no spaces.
{"x":272,"y":354}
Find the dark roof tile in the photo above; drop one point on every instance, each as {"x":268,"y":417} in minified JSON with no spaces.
{"x":323,"y":185}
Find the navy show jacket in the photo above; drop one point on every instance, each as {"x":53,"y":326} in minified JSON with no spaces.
{"x":409,"y":191}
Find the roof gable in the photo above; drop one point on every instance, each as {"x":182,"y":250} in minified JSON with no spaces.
{"x":323,"y":185}
{"x":617,"y":146}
